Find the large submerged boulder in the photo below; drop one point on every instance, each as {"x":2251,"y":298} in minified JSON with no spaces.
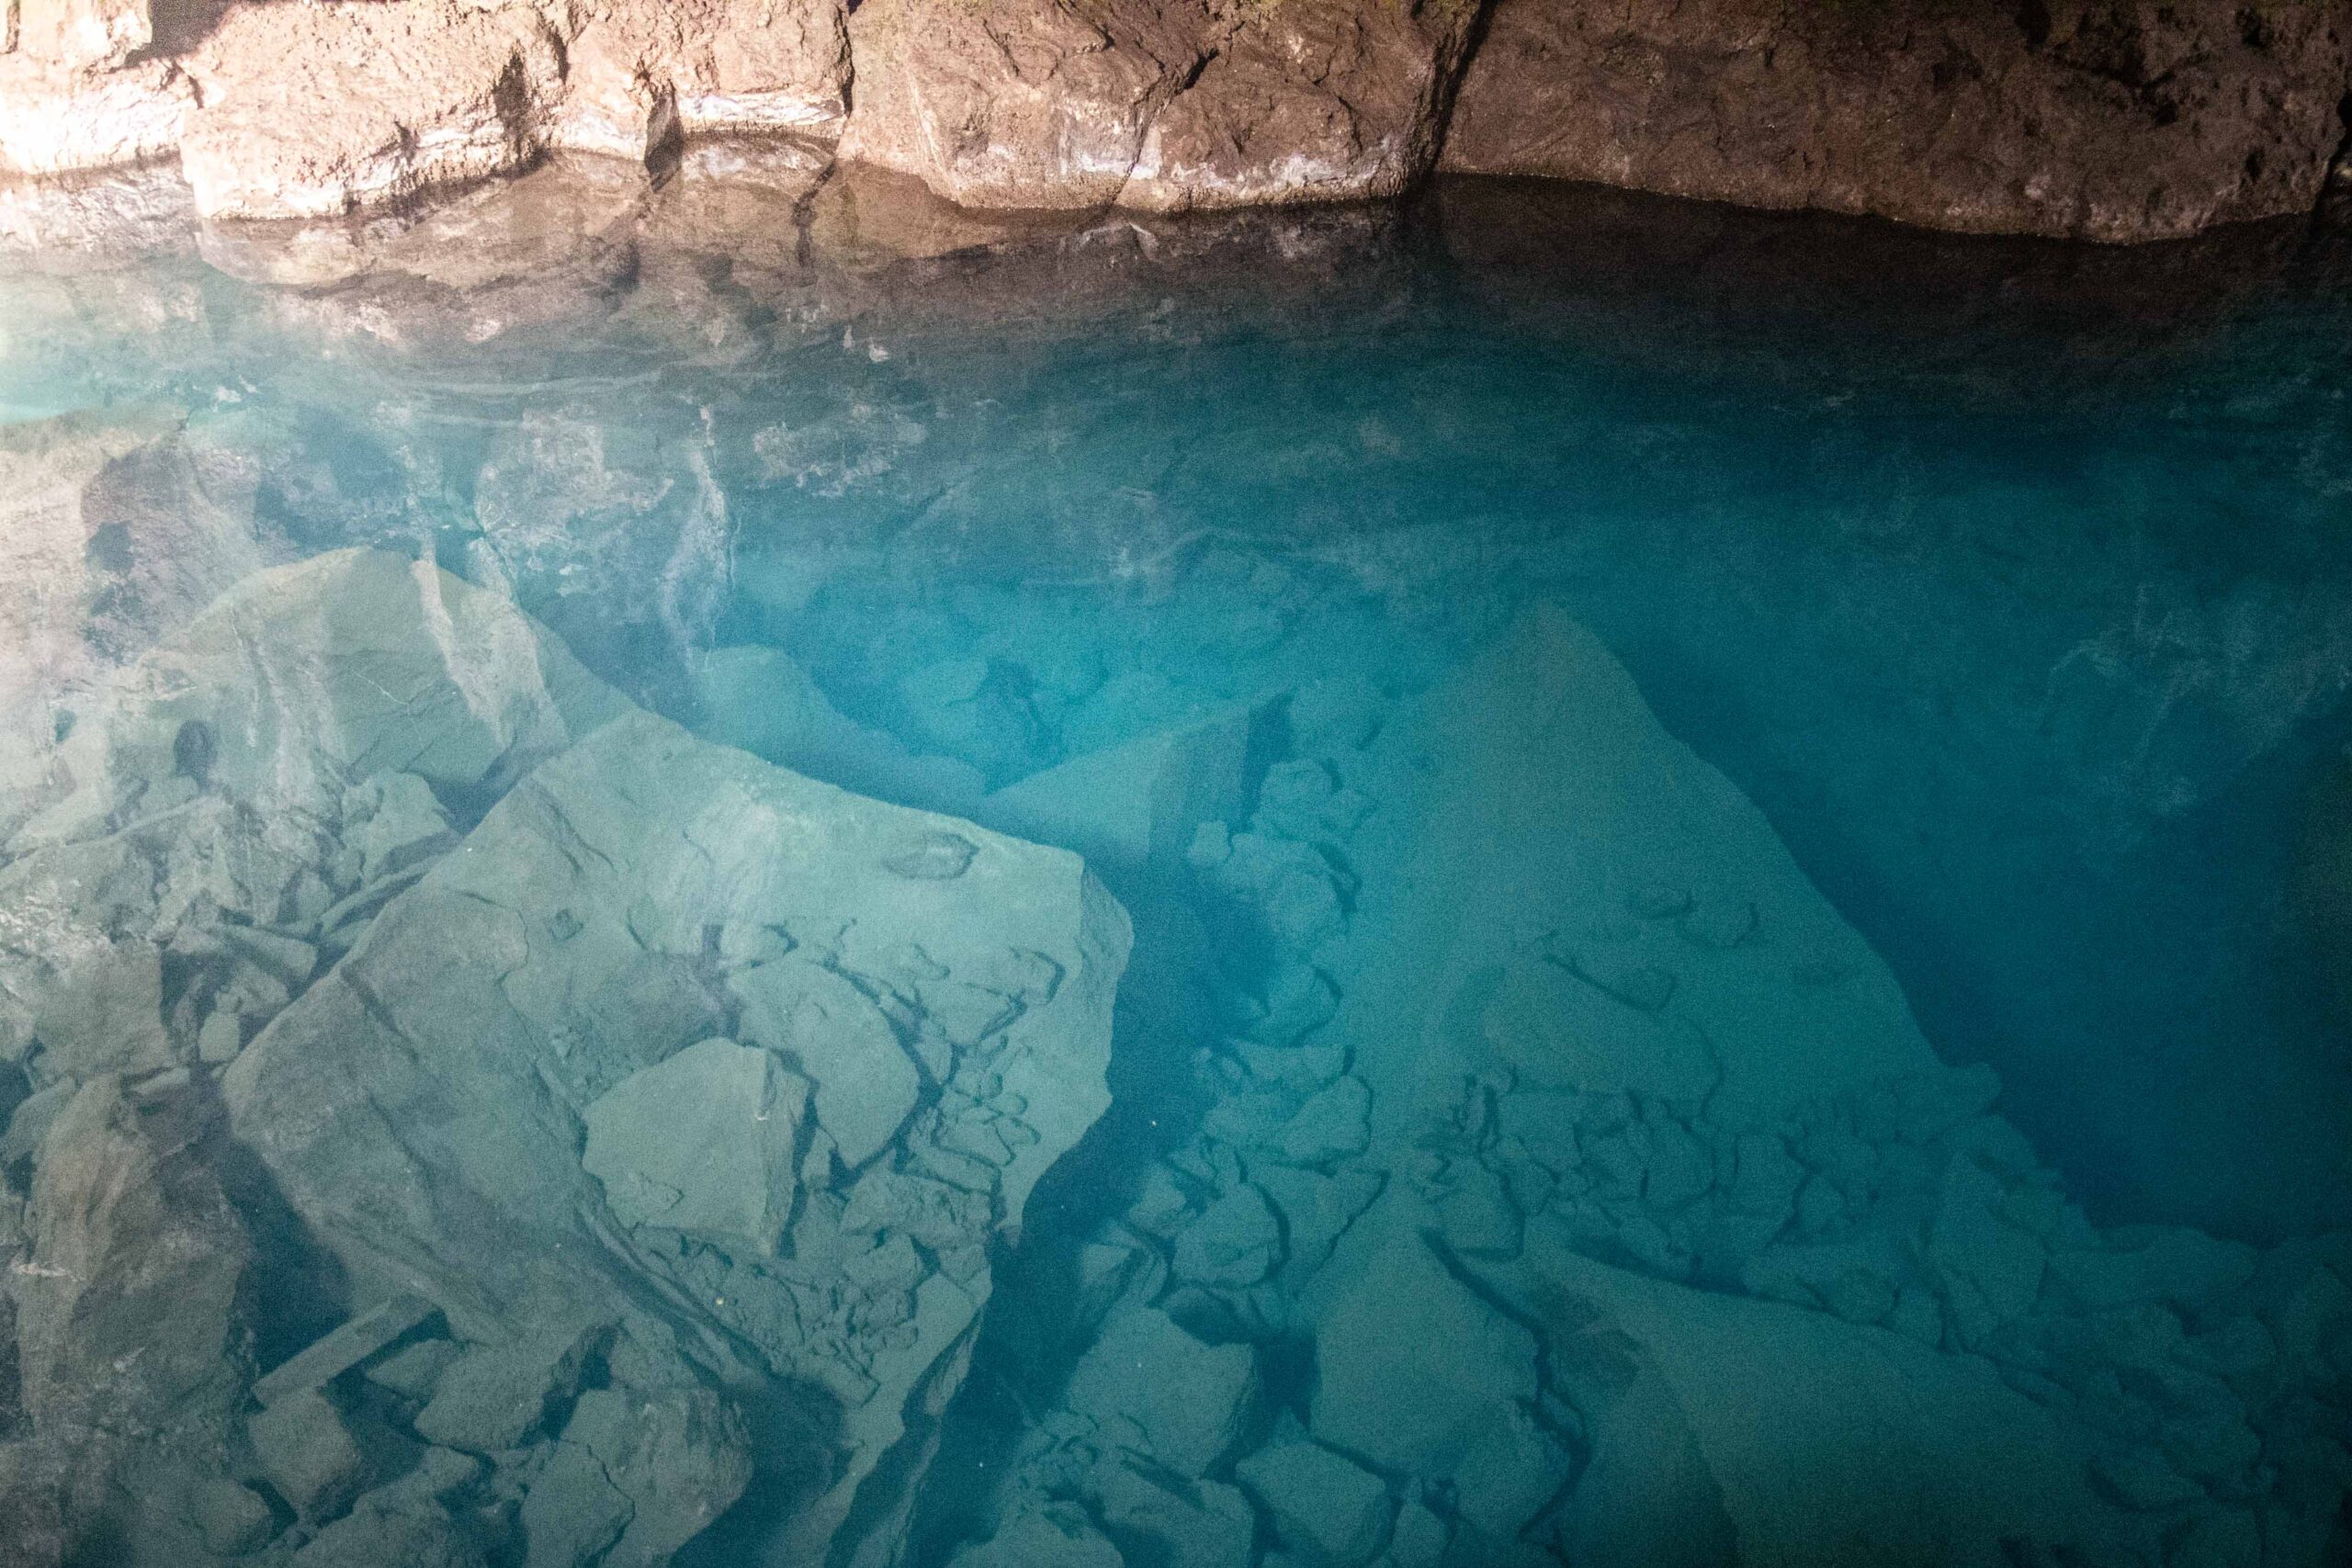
{"x":1597,"y":909}
{"x":624,"y":1096}
{"x":567,"y":1078}
{"x":235,"y":803}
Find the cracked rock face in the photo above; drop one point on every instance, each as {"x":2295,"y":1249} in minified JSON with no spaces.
{"x":2087,"y":119}
{"x":2096,"y":118}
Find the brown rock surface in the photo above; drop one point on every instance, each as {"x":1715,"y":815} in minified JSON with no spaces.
{"x":1163,"y":106}
{"x":2089,"y":119}
{"x":640,"y":74}
{"x":389,"y":98}
{"x":2104,"y":119}
{"x":1305,"y":102}
{"x":1025,"y":104}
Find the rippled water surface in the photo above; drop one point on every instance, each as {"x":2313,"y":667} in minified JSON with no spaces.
{"x":1697,"y":827}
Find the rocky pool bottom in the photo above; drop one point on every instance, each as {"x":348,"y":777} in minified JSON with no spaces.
{"x":816,"y":882}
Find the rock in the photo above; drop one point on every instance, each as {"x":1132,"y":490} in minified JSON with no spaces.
{"x":1160,"y":1518}
{"x":759,"y":699}
{"x":1165,"y":108}
{"x":1319,"y":102}
{"x":307,"y":1453}
{"x":1332,"y":1125}
{"x":30,"y":1122}
{"x":1413,"y":1370}
{"x":394,"y":821}
{"x":1154,"y":1388}
{"x":82,"y":33}
{"x":61,"y":120}
{"x":1505,"y":872}
{"x":110,"y":536}
{"x":1138,"y":804}
{"x":2091,"y":120}
{"x":581,"y":935}
{"x":704,"y":1142}
{"x":406,"y":1522}
{"x":367,"y":1540}
{"x":636,"y":1475}
{"x":314,"y":112}
{"x":2141,"y":1479}
{"x":1237,"y":1240}
{"x":194,"y":791}
{"x":1476,"y":1213}
{"x":232,"y":1518}
{"x":1299,"y":1000}
{"x":101,"y":1011}
{"x":1991,"y":1270}
{"x":1512,"y":1471}
{"x":405,"y":667}
{"x":638,"y":77}
{"x":412,"y":1370}
{"x":493,"y":1397}
{"x":2188,"y":1268}
{"x":1026,"y":104}
{"x":1688,"y":1399}
{"x":350,"y":1344}
{"x":867,"y":1085}
{"x":1325,"y":1507}
{"x":1054,"y":1536}
{"x":1418,"y":1539}
{"x":1317,"y":1211}
{"x":127,"y":1311}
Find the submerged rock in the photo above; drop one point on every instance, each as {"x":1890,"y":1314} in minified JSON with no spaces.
{"x":126,"y":1307}
{"x":703,"y":1141}
{"x":1723,"y":1429}
{"x":110,"y":538}
{"x":576,"y":964}
{"x":1152,"y":1387}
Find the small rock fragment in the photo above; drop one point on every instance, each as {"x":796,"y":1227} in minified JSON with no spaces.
{"x":1326,"y":1508}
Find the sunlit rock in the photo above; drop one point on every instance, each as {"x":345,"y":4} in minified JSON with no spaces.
{"x":314,"y":110}
{"x":55,"y":120}
{"x":1026,"y":104}
{"x":1304,"y":102}
{"x":638,"y":77}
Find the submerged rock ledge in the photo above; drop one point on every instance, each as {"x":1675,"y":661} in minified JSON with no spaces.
{"x":2099,"y":119}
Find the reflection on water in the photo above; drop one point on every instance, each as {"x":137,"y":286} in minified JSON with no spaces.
{"x":1711,"y":921}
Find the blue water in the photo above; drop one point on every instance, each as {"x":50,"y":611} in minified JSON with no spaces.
{"x":2012,"y":583}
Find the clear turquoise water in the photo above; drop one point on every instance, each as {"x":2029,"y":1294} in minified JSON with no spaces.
{"x":2012,"y":583}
